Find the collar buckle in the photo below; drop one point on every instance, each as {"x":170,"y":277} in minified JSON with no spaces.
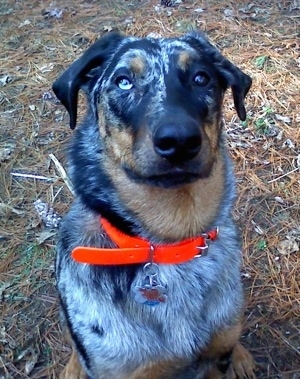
{"x":207,"y":237}
{"x":203,"y":251}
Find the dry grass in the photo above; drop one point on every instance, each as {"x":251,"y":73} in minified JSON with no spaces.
{"x":36,"y":45}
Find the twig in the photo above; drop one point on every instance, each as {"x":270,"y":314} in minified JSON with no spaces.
{"x":282,"y":176}
{"x":31,"y":176}
{"x":62,"y":173}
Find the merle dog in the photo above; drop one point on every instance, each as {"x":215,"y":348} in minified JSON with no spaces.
{"x":148,"y":260}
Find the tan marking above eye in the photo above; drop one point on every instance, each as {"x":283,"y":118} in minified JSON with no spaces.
{"x":184,"y":59}
{"x":137,"y":65}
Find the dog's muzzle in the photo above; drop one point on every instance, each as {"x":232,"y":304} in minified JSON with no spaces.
{"x":177,"y":142}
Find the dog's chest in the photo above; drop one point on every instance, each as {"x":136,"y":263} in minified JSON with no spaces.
{"x":112,"y":323}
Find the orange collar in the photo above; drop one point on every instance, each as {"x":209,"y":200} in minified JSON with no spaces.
{"x":133,"y":250}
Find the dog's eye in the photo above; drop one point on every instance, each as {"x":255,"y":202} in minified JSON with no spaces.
{"x":201,"y":79}
{"x":124,"y":83}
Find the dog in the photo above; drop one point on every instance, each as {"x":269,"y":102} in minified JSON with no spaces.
{"x":148,"y":257}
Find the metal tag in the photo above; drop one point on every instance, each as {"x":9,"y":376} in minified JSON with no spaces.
{"x":151,"y":291}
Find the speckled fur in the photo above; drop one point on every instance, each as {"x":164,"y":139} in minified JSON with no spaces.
{"x":115,"y":337}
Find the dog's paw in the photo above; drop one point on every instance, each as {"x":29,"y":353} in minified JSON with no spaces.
{"x":242,"y":366}
{"x":73,"y":369}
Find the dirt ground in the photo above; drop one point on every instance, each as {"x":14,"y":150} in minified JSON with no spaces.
{"x":38,"y":40}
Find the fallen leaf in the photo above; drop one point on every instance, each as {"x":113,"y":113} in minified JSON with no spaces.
{"x":228,"y":12}
{"x":257,"y":228}
{"x":288,"y":143}
{"x":48,"y":67}
{"x":107,"y":28}
{"x":6,"y":153}
{"x":24,"y":23}
{"x":287,"y":247}
{"x":279,"y":199}
{"x":199,"y":10}
{"x":44,"y":235}
{"x":31,"y":361}
{"x":5,"y":79}
{"x":285,"y":119}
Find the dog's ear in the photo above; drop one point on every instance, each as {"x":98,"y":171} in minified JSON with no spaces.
{"x":67,"y":86}
{"x":231,"y":75}
{"x":239,"y":82}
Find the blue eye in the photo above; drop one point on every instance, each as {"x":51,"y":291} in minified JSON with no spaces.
{"x":201,"y":79}
{"x":124,"y":83}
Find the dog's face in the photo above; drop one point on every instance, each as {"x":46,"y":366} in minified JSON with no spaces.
{"x":158,"y":104}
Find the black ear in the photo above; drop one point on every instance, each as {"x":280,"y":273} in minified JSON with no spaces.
{"x":67,"y":86}
{"x":240,"y":84}
{"x":232,"y":76}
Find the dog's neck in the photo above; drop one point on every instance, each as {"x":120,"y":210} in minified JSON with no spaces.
{"x":171,"y":215}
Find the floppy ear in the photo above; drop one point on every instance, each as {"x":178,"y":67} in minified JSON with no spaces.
{"x":239,"y":82}
{"x":67,"y":86}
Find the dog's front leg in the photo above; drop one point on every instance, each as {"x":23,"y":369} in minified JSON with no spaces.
{"x":73,"y":369}
{"x":233,"y":361}
{"x":242,"y":364}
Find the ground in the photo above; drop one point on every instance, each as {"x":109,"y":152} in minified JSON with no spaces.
{"x":38,"y":40}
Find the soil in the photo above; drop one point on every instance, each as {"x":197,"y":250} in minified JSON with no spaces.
{"x":41,"y":38}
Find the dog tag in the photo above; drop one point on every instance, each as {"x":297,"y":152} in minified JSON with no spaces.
{"x":151,"y":291}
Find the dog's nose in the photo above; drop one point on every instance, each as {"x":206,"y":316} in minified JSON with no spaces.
{"x":177,"y":143}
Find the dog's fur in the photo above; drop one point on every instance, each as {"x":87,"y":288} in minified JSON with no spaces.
{"x":151,"y":158}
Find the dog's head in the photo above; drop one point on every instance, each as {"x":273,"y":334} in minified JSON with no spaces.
{"x":157,"y":102}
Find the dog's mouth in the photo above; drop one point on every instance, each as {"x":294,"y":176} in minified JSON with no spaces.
{"x":171,"y":179}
